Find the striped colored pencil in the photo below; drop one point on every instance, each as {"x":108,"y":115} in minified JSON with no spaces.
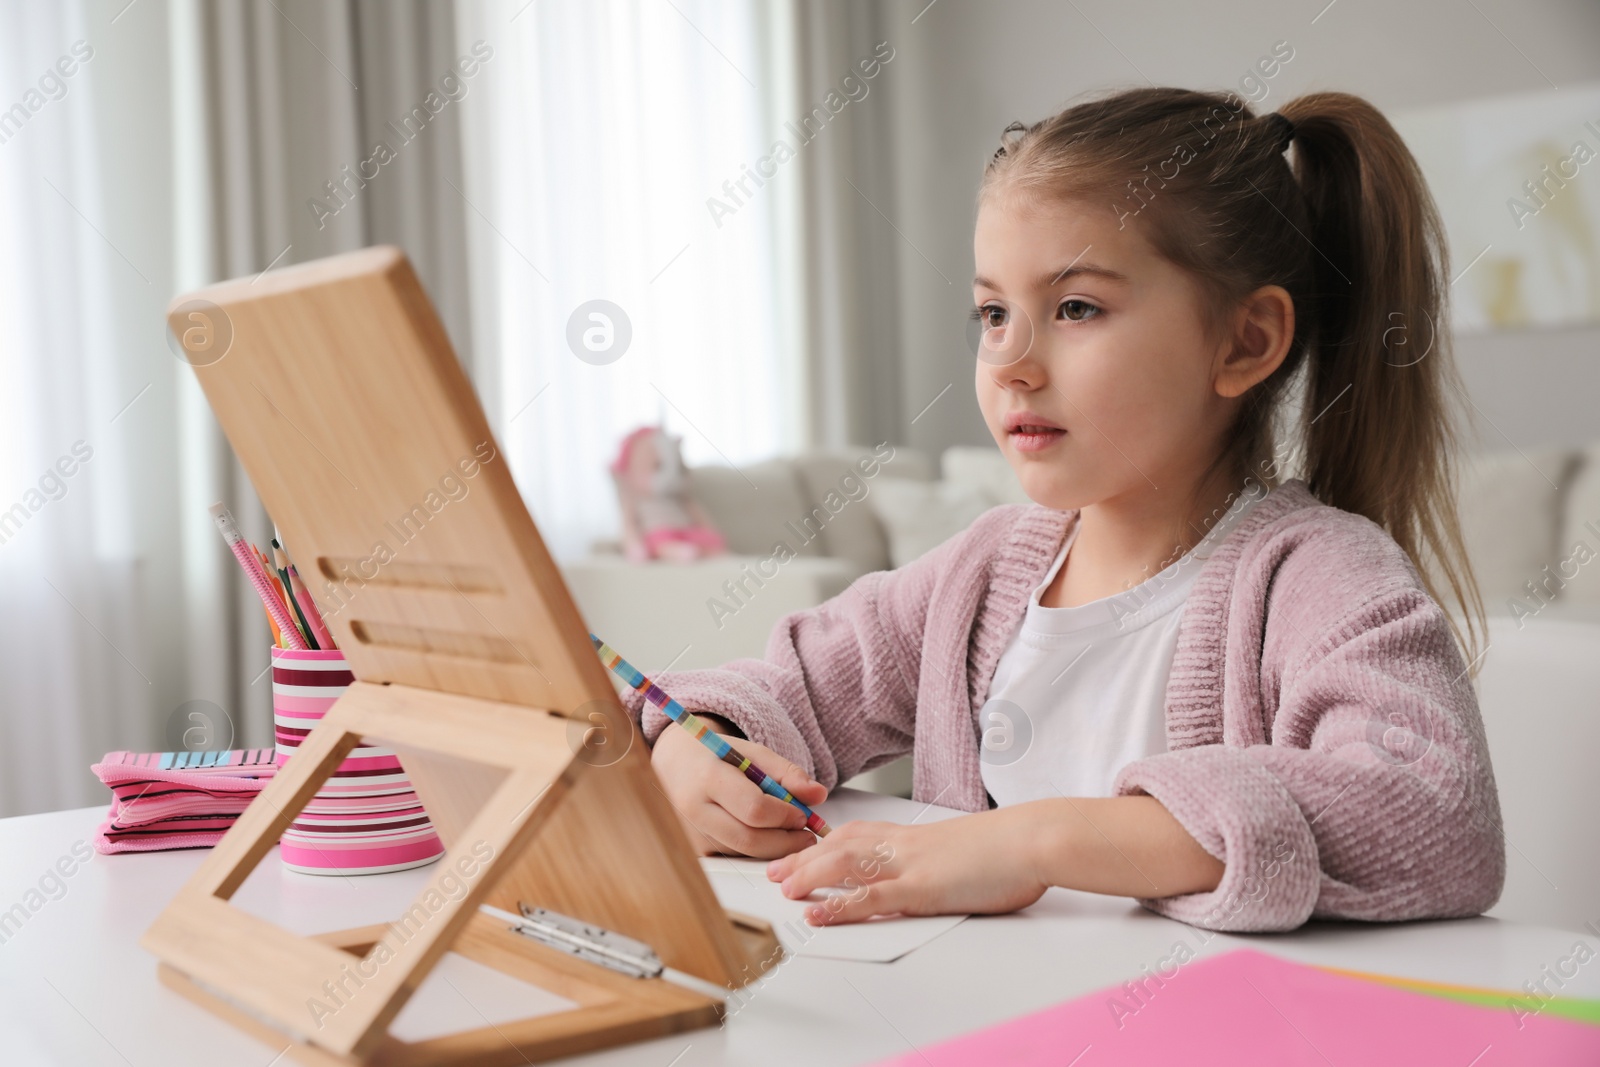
{"x":243,"y":552}
{"x":278,"y":588}
{"x":698,"y":727}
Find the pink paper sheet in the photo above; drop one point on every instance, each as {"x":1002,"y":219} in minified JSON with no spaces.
{"x":1247,"y":1007}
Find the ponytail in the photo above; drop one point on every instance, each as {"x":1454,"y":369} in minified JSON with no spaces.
{"x":1382,"y":393}
{"x":1345,"y":224}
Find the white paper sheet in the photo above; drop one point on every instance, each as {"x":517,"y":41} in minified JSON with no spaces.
{"x":742,"y":885}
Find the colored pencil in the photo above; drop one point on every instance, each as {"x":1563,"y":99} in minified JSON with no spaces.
{"x":318,"y":625}
{"x":278,"y":588}
{"x":302,"y":597}
{"x":699,"y":729}
{"x":272,"y":580}
{"x":272,"y":624}
{"x":242,"y":551}
{"x":281,"y":564}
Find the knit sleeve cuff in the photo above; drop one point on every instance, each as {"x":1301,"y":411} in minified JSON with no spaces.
{"x":740,"y":700}
{"x":1241,"y":814}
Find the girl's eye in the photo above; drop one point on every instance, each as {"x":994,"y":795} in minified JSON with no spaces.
{"x":1077,"y":310}
{"x":989,"y":316}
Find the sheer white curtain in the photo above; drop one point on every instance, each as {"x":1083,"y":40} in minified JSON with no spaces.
{"x":600,"y":133}
{"x":76,"y":662}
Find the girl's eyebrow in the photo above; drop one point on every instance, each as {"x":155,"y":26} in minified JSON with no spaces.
{"x":1047,"y":280}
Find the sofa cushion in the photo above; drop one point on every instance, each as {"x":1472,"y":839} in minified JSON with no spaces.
{"x":919,"y":516}
{"x":837,"y":482}
{"x":983,"y":468}
{"x":750,"y":505}
{"x":1580,"y":526}
{"x":1510,"y":517}
{"x":699,"y":614}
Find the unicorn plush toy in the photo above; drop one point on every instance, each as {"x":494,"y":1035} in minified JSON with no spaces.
{"x":660,"y":517}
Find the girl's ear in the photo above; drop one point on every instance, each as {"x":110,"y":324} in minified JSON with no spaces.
{"x":1263,"y":330}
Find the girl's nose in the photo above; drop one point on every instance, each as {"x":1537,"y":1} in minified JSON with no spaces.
{"x":1026,"y":375}
{"x":1016,"y":362}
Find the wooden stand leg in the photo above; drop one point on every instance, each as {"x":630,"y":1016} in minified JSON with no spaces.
{"x":613,"y":1009}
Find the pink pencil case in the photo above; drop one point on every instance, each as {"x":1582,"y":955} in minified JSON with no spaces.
{"x":166,"y":800}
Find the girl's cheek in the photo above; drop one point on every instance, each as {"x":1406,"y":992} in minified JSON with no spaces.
{"x":989,"y":403}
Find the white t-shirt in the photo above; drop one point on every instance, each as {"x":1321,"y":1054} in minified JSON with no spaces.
{"x":1081,"y":692}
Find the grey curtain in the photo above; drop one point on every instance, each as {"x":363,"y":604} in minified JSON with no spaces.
{"x":317,"y":128}
{"x":851,"y":251}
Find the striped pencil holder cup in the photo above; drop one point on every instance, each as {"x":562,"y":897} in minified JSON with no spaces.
{"x":366,"y":818}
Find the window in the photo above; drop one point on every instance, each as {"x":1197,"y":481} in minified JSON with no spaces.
{"x":613,"y":156}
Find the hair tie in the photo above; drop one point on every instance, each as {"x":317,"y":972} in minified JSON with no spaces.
{"x":1284,"y":128}
{"x":1016,"y":127}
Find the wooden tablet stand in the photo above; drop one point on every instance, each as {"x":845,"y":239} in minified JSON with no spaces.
{"x":339,"y":391}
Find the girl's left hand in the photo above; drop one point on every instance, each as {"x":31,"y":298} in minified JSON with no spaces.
{"x":982,"y":863}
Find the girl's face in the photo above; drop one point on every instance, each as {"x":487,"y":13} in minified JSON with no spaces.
{"x":1094,"y":372}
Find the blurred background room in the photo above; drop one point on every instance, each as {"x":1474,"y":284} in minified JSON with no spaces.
{"x":749,"y":225}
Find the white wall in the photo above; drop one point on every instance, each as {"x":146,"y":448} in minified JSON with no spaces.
{"x":971,"y":68}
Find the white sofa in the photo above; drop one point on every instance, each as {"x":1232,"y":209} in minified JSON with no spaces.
{"x":1539,"y":688}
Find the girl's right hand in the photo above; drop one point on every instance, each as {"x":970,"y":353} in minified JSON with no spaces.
{"x":724,"y":811}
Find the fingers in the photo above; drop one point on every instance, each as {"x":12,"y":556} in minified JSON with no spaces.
{"x":835,"y":844}
{"x":817,"y":869}
{"x":745,"y":800}
{"x":713,"y":830}
{"x":726,"y":808}
{"x":703,"y":844}
{"x":878,"y":898}
{"x":739,"y":838}
{"x":805,"y":789}
{"x":739,"y":797}
{"x":787,"y":774}
{"x":855,"y":861}
{"x":856,"y":854}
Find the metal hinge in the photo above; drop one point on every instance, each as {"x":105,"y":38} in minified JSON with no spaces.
{"x":589,"y":942}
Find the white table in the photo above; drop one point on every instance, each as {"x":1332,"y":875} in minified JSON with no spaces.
{"x":75,"y":988}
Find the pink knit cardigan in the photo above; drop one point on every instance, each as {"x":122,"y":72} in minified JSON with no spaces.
{"x":1324,"y":740}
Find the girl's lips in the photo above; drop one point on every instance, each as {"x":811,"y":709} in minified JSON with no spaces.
{"x":1035,"y":439}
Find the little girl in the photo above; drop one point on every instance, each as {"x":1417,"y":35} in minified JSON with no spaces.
{"x":1175,"y":676}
